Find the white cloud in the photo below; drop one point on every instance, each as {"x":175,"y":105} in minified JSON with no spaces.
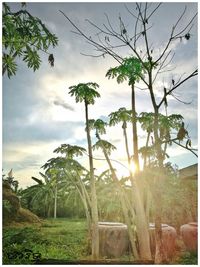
{"x":51,"y":107}
{"x":26,"y":159}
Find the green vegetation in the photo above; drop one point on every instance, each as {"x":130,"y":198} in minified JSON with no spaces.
{"x":23,"y":36}
{"x":189,"y":259}
{"x":69,"y":189}
{"x":143,"y":66}
{"x":60,"y":239}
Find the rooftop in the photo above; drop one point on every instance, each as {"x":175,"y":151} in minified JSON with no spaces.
{"x":190,"y":172}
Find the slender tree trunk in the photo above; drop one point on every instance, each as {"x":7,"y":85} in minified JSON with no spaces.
{"x":160,"y":255}
{"x":55,"y":201}
{"x":134,"y":128}
{"x":125,"y":210}
{"x":94,"y":209}
{"x":129,"y":225}
{"x":145,"y":156}
{"x":126,"y":142}
{"x":87,"y":207}
{"x":124,"y":204}
{"x":141,"y":221}
{"x":87,"y":204}
{"x":148,"y":204}
{"x":48,"y":211}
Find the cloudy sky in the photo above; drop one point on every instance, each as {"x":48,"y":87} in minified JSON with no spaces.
{"x":39,"y":114}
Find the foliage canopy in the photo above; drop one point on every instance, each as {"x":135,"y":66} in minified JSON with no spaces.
{"x":23,"y":36}
{"x":84,"y":92}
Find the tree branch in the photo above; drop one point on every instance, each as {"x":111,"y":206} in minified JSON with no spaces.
{"x":172,"y":36}
{"x":190,"y":149}
{"x":194,"y":73}
{"x":92,"y":42}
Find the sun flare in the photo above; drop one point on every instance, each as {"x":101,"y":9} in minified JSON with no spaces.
{"x":132,"y":167}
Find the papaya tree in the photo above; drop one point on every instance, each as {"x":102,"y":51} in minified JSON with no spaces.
{"x":122,"y":116}
{"x":107,"y":148}
{"x":166,"y":125}
{"x":109,"y":205}
{"x":86,"y":93}
{"x":138,"y":44}
{"x":52,"y":169}
{"x":75,"y":174}
{"x":132,"y":70}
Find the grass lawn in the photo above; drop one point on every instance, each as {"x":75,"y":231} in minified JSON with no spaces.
{"x":55,"y":240}
{"x":60,"y":239}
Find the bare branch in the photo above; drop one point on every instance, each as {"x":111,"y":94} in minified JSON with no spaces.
{"x":194,"y":73}
{"x":170,"y":39}
{"x":167,"y":70}
{"x":186,"y":103}
{"x":181,"y":32}
{"x":132,"y":13}
{"x":179,"y":19}
{"x":92,"y":42}
{"x":154,"y":10}
{"x":110,"y":24}
{"x":90,"y":55}
{"x":178,"y":35}
{"x":136,"y":25}
{"x":162,"y":66}
{"x":78,"y":33}
{"x":95,"y":26}
{"x":142,"y":89}
{"x":190,"y":149}
{"x":144,"y":21}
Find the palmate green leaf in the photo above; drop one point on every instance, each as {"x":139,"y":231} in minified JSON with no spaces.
{"x":121,"y":77}
{"x":9,"y":65}
{"x":54,"y":163}
{"x":74,"y":165}
{"x":19,"y":30}
{"x":32,"y":58}
{"x":91,"y":124}
{"x":85,"y":92}
{"x":165,"y":123}
{"x":146,"y":120}
{"x":53,"y":40}
{"x":112,"y":73}
{"x":6,"y":7}
{"x":131,"y":69}
{"x":122,"y":115}
{"x":23,"y":4}
{"x":98,"y":125}
{"x":176,"y":120}
{"x":105,"y":175}
{"x":104,"y":144}
{"x":147,"y":151}
{"x":70,"y":151}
